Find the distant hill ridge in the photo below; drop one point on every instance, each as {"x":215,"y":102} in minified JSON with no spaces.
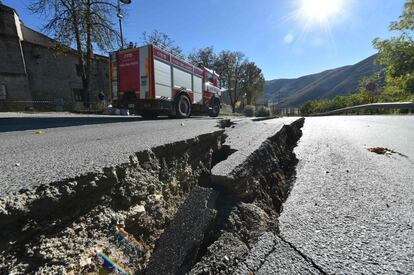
{"x":328,"y":84}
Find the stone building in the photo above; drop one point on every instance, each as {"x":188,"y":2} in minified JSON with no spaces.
{"x":33,"y":75}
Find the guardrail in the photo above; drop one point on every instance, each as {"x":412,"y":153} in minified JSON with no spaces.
{"x":372,"y":106}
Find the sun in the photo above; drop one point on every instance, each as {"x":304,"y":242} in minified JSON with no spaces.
{"x":321,"y":12}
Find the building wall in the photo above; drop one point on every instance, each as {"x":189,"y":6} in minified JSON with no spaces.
{"x":53,"y":76}
{"x":35,"y":73}
{"x":12,"y":67}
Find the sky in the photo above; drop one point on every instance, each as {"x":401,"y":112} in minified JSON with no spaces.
{"x":285,"y":38}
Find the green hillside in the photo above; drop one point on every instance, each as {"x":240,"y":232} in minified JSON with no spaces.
{"x":328,"y":84}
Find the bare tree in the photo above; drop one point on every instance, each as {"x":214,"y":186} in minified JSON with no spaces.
{"x":205,"y":57}
{"x":83,"y":23}
{"x":161,"y":40}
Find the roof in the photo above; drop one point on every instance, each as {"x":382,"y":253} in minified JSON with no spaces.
{"x":7,"y":8}
{"x":40,"y":39}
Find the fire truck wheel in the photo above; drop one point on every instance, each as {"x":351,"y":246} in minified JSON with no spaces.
{"x":149,"y":114}
{"x":215,"y":108}
{"x":182,"y":106}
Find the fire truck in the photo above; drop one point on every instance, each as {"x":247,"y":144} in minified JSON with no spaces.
{"x":150,"y":81}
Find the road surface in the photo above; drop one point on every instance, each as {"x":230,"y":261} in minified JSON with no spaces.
{"x":10,"y":122}
{"x":351,"y":211}
{"x":30,"y":158}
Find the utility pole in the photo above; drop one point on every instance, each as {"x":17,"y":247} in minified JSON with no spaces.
{"x":120,"y":16}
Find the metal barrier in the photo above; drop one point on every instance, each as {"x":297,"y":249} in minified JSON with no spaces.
{"x":374,"y":106}
{"x":284,"y":111}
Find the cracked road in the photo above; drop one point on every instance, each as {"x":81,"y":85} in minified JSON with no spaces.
{"x":351,"y":211}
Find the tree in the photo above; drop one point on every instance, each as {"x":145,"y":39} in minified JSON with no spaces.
{"x":397,"y":54}
{"x":161,"y":40}
{"x":252,"y":82}
{"x":83,"y":23}
{"x":205,"y":57}
{"x":229,"y":65}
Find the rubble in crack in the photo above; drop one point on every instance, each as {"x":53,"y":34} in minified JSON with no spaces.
{"x":178,"y":246}
{"x":222,"y":256}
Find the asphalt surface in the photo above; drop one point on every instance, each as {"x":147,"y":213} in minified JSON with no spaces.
{"x":351,"y":211}
{"x":31,"y":158}
{"x":271,"y":255}
{"x":23,"y":122}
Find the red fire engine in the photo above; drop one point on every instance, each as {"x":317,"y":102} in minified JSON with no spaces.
{"x":151,"y":82}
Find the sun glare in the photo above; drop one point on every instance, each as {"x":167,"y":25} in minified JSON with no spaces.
{"x":321,"y":12}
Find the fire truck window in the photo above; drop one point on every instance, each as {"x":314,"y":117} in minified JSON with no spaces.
{"x":210,"y":77}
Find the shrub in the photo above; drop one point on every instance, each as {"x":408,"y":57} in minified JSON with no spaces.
{"x":249,"y":110}
{"x":263,"y":112}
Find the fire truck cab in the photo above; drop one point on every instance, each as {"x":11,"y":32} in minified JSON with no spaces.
{"x":150,"y":82}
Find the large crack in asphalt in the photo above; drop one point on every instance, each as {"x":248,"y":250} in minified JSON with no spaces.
{"x":161,"y":213}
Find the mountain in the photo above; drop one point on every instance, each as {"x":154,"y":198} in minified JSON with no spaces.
{"x":328,"y":84}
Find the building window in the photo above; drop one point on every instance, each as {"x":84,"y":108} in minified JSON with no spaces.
{"x":79,"y":94}
{"x":3,"y":92}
